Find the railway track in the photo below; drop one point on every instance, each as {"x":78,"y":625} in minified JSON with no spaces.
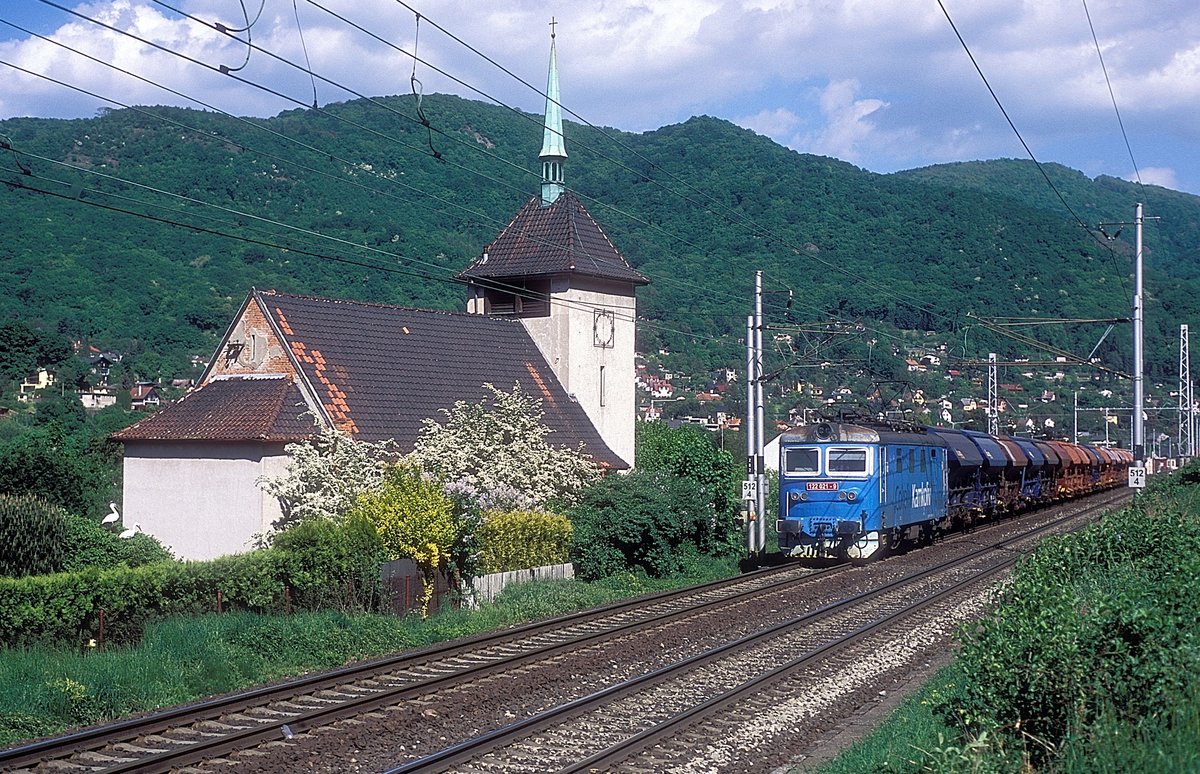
{"x":657,"y":721}
{"x":210,"y":734}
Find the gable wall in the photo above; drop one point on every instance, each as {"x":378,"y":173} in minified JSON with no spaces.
{"x":263,"y":353}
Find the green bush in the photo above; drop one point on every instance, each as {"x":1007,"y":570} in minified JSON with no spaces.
{"x":327,"y":564}
{"x":1097,"y":623}
{"x":88,"y":544}
{"x":32,"y":536}
{"x":688,"y":452}
{"x":516,"y":540}
{"x":649,"y":521}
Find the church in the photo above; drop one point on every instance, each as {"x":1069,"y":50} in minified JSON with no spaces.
{"x":551,"y":306}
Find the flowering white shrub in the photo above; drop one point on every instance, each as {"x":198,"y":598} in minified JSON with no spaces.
{"x":496,"y":454}
{"x":326,"y":476}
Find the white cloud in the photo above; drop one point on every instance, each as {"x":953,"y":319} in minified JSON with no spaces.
{"x":779,"y":124}
{"x":848,"y":124}
{"x":1164,"y":176}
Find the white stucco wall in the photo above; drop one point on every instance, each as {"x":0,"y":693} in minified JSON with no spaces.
{"x":201,"y":499}
{"x":567,"y":340}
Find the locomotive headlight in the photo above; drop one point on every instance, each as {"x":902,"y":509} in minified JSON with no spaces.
{"x":841,"y":495}
{"x":804,"y":496}
{"x":794,"y":496}
{"x":852,"y":496}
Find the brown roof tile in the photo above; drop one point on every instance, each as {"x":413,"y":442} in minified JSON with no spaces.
{"x":229,"y":409}
{"x":380,"y":370}
{"x":562,"y":238}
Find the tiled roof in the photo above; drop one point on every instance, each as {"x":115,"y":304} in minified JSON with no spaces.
{"x":380,"y":370}
{"x":562,"y":238}
{"x":248,"y":408}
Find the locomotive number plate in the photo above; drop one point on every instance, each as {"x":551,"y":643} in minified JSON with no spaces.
{"x":821,"y":486}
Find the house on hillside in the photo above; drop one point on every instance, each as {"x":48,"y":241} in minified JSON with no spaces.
{"x":144,"y":395}
{"x":551,"y":307}
{"x":100,"y":364}
{"x":96,"y":398}
{"x":34,"y":383}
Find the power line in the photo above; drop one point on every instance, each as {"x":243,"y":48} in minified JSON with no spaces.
{"x":907,"y":300}
{"x":1028,"y":150}
{"x":78,"y":195}
{"x":739,"y":219}
{"x":758,"y":231}
{"x":795,"y":249}
{"x":523,"y":115}
{"x":449,"y":203}
{"x":285,"y":97}
{"x":242,"y":146}
{"x":355,"y":124}
{"x":732,"y":215}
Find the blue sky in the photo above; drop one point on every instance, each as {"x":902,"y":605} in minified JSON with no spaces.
{"x":883,"y":84}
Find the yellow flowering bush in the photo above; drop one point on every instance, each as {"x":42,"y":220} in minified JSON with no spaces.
{"x":414,"y":519}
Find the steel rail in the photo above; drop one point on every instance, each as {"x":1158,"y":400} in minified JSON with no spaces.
{"x":469,"y":749}
{"x":605,"y":759}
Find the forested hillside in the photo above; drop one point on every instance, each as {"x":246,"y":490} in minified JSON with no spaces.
{"x":697,"y":207}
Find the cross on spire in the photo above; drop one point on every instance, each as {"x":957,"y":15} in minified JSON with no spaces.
{"x":554,"y":149}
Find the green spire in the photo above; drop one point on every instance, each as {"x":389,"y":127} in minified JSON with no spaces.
{"x":554,"y":148}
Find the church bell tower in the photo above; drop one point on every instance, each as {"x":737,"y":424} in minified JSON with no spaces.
{"x":555,"y":269}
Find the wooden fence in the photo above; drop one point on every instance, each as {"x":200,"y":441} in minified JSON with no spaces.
{"x":487,"y":587}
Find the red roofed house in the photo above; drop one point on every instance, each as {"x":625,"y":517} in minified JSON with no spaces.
{"x":552,"y":307}
{"x":143,"y":395}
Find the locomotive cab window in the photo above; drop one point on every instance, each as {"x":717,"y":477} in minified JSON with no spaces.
{"x":802,"y":461}
{"x":847,"y":461}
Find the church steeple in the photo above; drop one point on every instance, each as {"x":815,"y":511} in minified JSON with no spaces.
{"x":554,"y":148}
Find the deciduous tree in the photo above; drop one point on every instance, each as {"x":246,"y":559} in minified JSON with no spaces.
{"x":501,"y":445}
{"x":326,"y":475}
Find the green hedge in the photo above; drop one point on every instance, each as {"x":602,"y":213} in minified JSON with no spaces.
{"x":322,"y":566}
{"x":516,"y":540}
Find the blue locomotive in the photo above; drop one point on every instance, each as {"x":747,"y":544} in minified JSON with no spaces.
{"x":852,"y":489}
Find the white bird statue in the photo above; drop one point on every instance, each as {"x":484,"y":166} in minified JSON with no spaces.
{"x":131,"y":531}
{"x":112,"y":516}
